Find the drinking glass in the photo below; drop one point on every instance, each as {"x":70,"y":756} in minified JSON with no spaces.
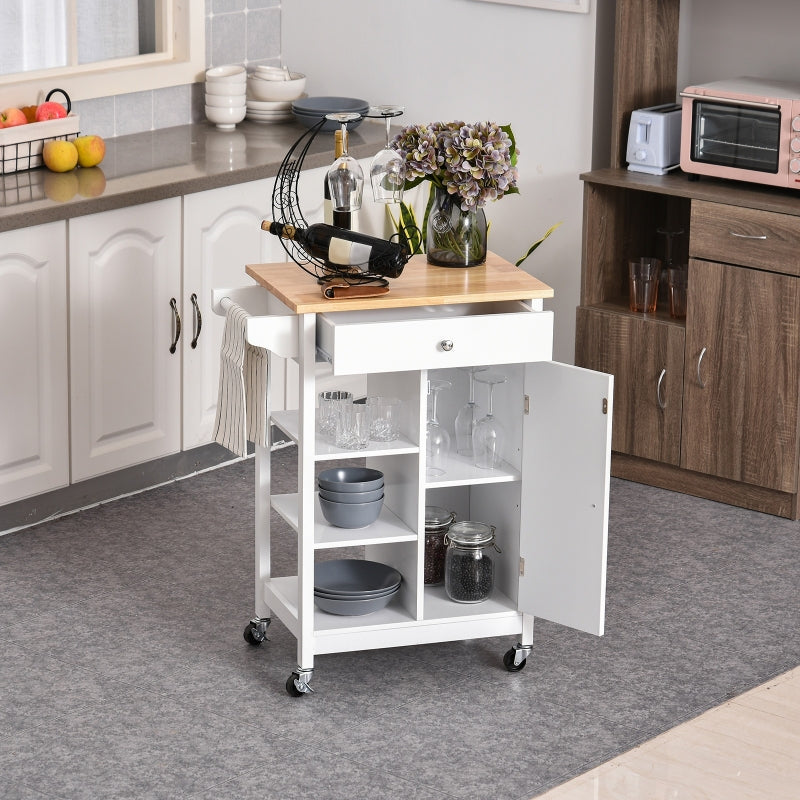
{"x":384,"y":418}
{"x":352,"y":426}
{"x":329,"y":409}
{"x":488,"y":436}
{"x":467,"y":416}
{"x":345,"y":177}
{"x":437,"y":439}
{"x":388,"y":170}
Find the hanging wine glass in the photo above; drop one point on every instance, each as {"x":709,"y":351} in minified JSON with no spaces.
{"x":437,"y":439}
{"x":388,"y":170}
{"x":467,"y":416}
{"x":488,"y":436}
{"x":345,"y":177}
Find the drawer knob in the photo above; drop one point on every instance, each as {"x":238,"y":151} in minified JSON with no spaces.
{"x":446,"y":345}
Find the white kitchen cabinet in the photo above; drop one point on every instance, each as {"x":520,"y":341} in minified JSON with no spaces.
{"x":222,"y":231}
{"x":34,"y":446}
{"x":548,"y":500}
{"x":125,"y":283}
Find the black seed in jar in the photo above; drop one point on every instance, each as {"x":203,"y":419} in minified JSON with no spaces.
{"x":435,"y":550}
{"x":468,"y":579}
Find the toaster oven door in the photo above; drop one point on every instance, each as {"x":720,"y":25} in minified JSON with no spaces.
{"x":737,"y":136}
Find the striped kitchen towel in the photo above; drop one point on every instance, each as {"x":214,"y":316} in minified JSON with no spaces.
{"x":242,"y":403}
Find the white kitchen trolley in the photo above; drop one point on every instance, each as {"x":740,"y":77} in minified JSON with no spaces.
{"x":548,"y":501}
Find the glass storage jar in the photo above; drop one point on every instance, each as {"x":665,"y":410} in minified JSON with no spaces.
{"x":468,"y":567}
{"x":437,"y":523}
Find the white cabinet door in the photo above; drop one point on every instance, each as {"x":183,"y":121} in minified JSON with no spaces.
{"x":34,"y":444}
{"x":125,"y":275}
{"x":222,"y":233}
{"x":566,"y":458}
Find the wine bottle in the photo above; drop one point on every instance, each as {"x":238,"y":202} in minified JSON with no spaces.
{"x":339,"y":247}
{"x":341,"y":219}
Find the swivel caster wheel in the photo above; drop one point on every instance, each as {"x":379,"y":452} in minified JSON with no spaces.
{"x":297,"y":683}
{"x":508,"y":661}
{"x":256,"y":631}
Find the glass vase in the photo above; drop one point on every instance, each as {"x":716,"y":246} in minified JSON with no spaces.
{"x":454,"y":238}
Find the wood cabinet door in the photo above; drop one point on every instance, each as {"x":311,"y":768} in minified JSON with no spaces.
{"x":125,"y":387}
{"x":741,"y":375}
{"x":645,"y":356}
{"x":34,"y":443}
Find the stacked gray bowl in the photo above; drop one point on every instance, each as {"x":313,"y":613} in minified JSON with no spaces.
{"x":350,"y":497}
{"x":352,"y":586}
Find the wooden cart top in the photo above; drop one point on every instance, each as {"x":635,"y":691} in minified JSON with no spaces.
{"x":421,"y":284}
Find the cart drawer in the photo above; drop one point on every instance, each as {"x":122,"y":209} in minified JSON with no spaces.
{"x":431,"y":337}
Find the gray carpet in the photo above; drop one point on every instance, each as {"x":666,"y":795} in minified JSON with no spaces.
{"x":124,"y":674}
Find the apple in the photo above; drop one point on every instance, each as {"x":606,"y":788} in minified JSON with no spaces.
{"x":29,"y":112}
{"x":12,"y":117}
{"x":59,"y":155}
{"x":50,"y":110}
{"x":91,"y":150}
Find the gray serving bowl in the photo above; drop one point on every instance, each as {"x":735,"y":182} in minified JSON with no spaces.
{"x":354,"y":576}
{"x":352,"y":497}
{"x":354,"y":608}
{"x":350,"y":479}
{"x":350,"y":515}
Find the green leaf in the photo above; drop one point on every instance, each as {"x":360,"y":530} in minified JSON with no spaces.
{"x":538,"y":242}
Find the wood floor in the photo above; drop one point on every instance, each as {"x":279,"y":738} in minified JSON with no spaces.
{"x":745,"y":749}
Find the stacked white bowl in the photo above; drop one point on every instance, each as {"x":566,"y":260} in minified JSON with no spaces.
{"x":226,"y":95}
{"x":270,"y":92}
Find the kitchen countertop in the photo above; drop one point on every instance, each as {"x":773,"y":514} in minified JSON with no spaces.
{"x":171,"y":162}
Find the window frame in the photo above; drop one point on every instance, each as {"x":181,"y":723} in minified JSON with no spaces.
{"x":184,"y":62}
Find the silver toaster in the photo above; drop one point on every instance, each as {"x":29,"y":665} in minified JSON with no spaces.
{"x":654,"y":139}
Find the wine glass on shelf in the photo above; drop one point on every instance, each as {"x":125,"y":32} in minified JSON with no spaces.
{"x":345,"y":177}
{"x":467,"y":416}
{"x":488,"y":436}
{"x":437,"y":439}
{"x":388,"y":169}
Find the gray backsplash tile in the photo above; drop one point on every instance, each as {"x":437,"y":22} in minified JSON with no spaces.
{"x":96,"y":116}
{"x":228,"y":38}
{"x":251,"y":4}
{"x":263,"y":34}
{"x":172,"y":106}
{"x":133,"y":113}
{"x":226,"y":6}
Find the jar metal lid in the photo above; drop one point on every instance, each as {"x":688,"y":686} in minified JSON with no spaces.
{"x":471,"y":534}
{"x":437,"y":517}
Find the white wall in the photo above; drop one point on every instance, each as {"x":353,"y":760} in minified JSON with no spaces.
{"x":465,"y":59}
{"x":728,"y":38}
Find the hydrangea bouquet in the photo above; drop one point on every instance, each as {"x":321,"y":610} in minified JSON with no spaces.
{"x":476,"y":163}
{"x":471,"y":165}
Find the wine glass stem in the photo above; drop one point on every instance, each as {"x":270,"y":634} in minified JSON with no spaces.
{"x":434,"y":417}
{"x":472,"y":386}
{"x":491,"y":392}
{"x":344,"y":140}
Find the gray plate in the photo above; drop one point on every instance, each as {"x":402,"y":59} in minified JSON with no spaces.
{"x":353,"y":576}
{"x":353,"y":608}
{"x":350,"y":479}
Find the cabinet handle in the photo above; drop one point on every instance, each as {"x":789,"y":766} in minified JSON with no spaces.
{"x":662,"y":403}
{"x":699,"y":362}
{"x":197,"y":320}
{"x":747,"y":236}
{"x":177,"y":317}
{"x":446,"y":345}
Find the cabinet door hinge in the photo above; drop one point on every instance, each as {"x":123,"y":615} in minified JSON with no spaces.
{"x":521,"y":565}
{"x":605,"y":405}
{"x":526,"y":404}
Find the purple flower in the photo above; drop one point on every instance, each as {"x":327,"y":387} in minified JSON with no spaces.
{"x":476,"y":162}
